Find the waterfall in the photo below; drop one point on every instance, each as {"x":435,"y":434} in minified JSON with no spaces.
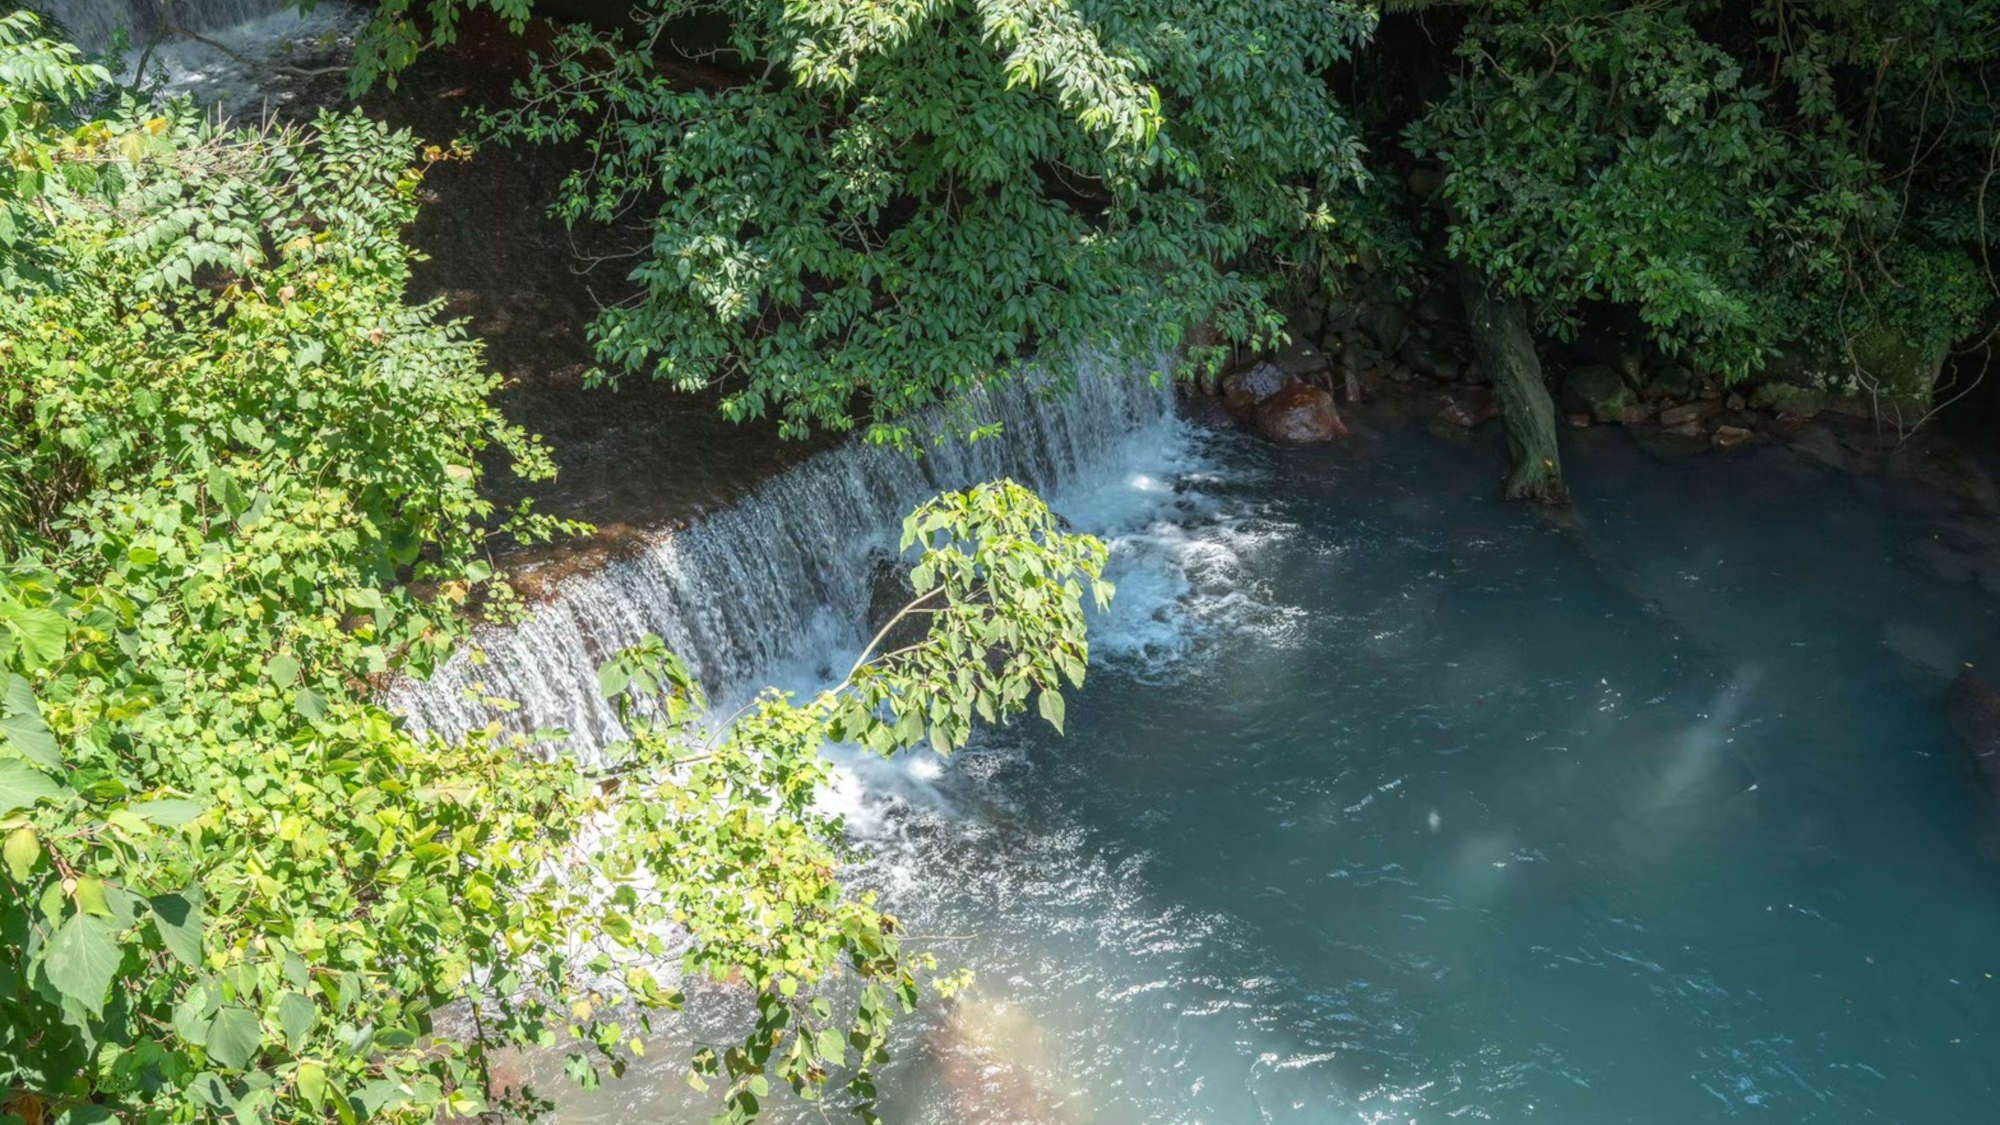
{"x":785,"y":575}
{"x":94,"y":23}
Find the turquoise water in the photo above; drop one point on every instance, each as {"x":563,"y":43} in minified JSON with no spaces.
{"x":1389,"y":802}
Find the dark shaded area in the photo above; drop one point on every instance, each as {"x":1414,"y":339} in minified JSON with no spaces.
{"x":633,"y":458}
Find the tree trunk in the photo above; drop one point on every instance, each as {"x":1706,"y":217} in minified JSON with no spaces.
{"x":1507,"y":351}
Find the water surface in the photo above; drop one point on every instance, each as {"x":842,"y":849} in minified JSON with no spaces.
{"x":1390,"y":802}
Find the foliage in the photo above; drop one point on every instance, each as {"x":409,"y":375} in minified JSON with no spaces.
{"x":235,"y":887}
{"x":1604,"y":151}
{"x":879,"y":205}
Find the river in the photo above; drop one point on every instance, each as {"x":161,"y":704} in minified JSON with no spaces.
{"x":1390,"y":802}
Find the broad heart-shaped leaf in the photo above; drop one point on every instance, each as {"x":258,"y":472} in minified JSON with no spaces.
{"x":296,"y":1015}
{"x":21,"y":785}
{"x":283,"y":669}
{"x":233,"y":1037}
{"x":1050,"y":703}
{"x":178,"y":918}
{"x":167,"y":812}
{"x":83,"y":960}
{"x":42,"y":632}
{"x":21,"y":851}
{"x":86,"y":1115}
{"x":21,"y":726}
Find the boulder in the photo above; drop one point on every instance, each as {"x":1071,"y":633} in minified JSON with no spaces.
{"x":1676,"y":382}
{"x":1974,"y":710}
{"x":1787,"y":401}
{"x":1902,"y":371}
{"x":1467,"y":407}
{"x":1245,"y":387}
{"x":1627,"y":357}
{"x":1685,"y":414}
{"x":1818,"y":444}
{"x":1729,"y":437}
{"x":1598,"y":391}
{"x":1299,"y":415}
{"x":1386,"y":323}
{"x":1302,"y":361}
{"x":1426,"y":355}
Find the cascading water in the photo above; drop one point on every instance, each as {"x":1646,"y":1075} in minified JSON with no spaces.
{"x":786,"y":575}
{"x":239,"y":58}
{"x":95,"y":24}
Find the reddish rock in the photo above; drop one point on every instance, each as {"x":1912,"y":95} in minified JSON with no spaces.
{"x":1635,"y":414}
{"x":1299,"y":415}
{"x":1454,"y":412}
{"x":1579,"y":421}
{"x":1244,"y":388}
{"x":1686,"y":414}
{"x":1729,"y":437}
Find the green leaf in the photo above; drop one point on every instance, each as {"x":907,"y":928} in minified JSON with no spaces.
{"x":282,"y":669}
{"x":22,"y":785}
{"x":167,"y":812}
{"x":21,"y":852}
{"x":312,"y":1083}
{"x":233,"y":1037}
{"x":831,"y":1046}
{"x":22,"y":728}
{"x":86,"y":1115}
{"x":90,"y":897}
{"x":43,"y":632}
{"x":83,"y":960}
{"x":296,"y":1015}
{"x":1050,"y":704}
{"x":178,"y":919}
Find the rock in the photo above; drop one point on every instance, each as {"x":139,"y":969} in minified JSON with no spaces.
{"x":1635,"y":414}
{"x":1597,"y":391}
{"x":1473,"y":374}
{"x":1901,"y":370}
{"x":1974,"y":710}
{"x":1301,"y":361}
{"x":1436,"y":306}
{"x":1299,"y":415}
{"x":1386,"y":325}
{"x":1628,"y":358}
{"x":1426,"y":356}
{"x":1245,"y":387}
{"x":1454,"y":412}
{"x":889,"y":592}
{"x":1729,"y":437}
{"x":1684,"y":415}
{"x":1676,"y":382}
{"x":988,"y":1055}
{"x":1787,"y":401}
{"x":1579,"y":421}
{"x":1818,"y":444}
{"x":1733,"y":403}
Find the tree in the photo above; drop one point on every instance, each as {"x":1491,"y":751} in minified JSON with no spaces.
{"x":1598,"y":151}
{"x":868,"y":208}
{"x":237,"y":889}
